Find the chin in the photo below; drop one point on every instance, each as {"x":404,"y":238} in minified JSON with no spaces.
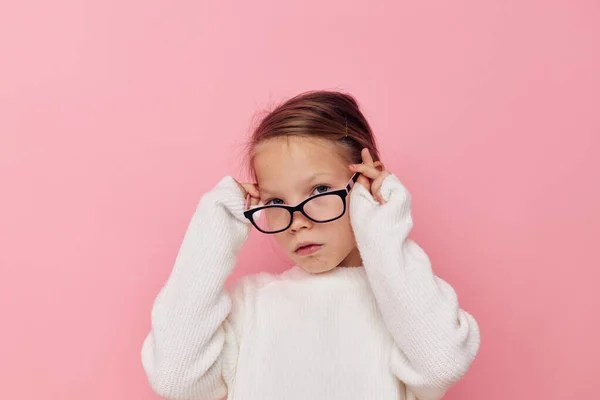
{"x":317,"y":269}
{"x":316,"y":265}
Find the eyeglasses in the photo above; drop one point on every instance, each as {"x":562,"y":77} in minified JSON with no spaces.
{"x":321,"y":208}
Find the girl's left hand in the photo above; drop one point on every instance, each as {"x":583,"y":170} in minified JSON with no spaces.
{"x":372,"y":174}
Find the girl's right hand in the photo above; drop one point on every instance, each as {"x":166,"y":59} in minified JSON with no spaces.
{"x":250,"y":192}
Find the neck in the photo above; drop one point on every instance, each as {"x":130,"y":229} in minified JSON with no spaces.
{"x":353,"y":259}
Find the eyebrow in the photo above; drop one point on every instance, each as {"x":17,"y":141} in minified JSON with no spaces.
{"x":308,"y":181}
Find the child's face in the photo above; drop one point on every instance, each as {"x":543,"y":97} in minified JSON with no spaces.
{"x":285,"y":168}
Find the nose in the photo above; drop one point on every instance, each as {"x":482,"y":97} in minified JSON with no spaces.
{"x":299,"y":221}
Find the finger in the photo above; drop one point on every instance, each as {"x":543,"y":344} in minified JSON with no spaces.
{"x":379,"y":165}
{"x":367,"y":170}
{"x":364,"y":181}
{"x":376,"y":187}
{"x":251,"y":193}
{"x":254,"y":201}
{"x":366,"y":156}
{"x":251,"y":189}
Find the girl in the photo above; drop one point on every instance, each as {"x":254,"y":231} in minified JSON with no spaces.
{"x":361,"y":314}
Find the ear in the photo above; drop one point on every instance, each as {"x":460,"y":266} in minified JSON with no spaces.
{"x":379,"y":166}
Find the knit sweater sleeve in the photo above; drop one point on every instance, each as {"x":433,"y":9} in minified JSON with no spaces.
{"x":434,"y":340}
{"x":190,"y":351}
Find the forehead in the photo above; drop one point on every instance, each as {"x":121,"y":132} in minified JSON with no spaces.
{"x":286,"y":161}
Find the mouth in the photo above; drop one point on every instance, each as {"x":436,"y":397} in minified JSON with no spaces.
{"x":304,"y":249}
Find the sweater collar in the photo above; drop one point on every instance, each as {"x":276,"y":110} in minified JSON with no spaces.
{"x":357,"y":272}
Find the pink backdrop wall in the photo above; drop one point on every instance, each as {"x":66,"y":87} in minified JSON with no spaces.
{"x":116,"y":116}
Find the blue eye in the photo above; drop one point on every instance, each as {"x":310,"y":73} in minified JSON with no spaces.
{"x":273,"y":202}
{"x":321,"y":189}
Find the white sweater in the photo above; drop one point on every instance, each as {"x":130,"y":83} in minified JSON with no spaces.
{"x":389,"y":329}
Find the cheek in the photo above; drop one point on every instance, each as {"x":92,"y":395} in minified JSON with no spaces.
{"x":341,"y":232}
{"x":282,"y":240}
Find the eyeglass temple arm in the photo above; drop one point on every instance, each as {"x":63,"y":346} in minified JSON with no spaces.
{"x":247,"y":202}
{"x":353,"y":180}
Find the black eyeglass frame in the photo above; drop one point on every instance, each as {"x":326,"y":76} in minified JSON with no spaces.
{"x":342,"y":193}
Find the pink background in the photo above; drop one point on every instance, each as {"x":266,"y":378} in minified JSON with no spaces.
{"x":115,"y":117}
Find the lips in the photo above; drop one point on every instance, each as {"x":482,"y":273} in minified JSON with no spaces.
{"x":306,"y":248}
{"x":304,"y":244}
